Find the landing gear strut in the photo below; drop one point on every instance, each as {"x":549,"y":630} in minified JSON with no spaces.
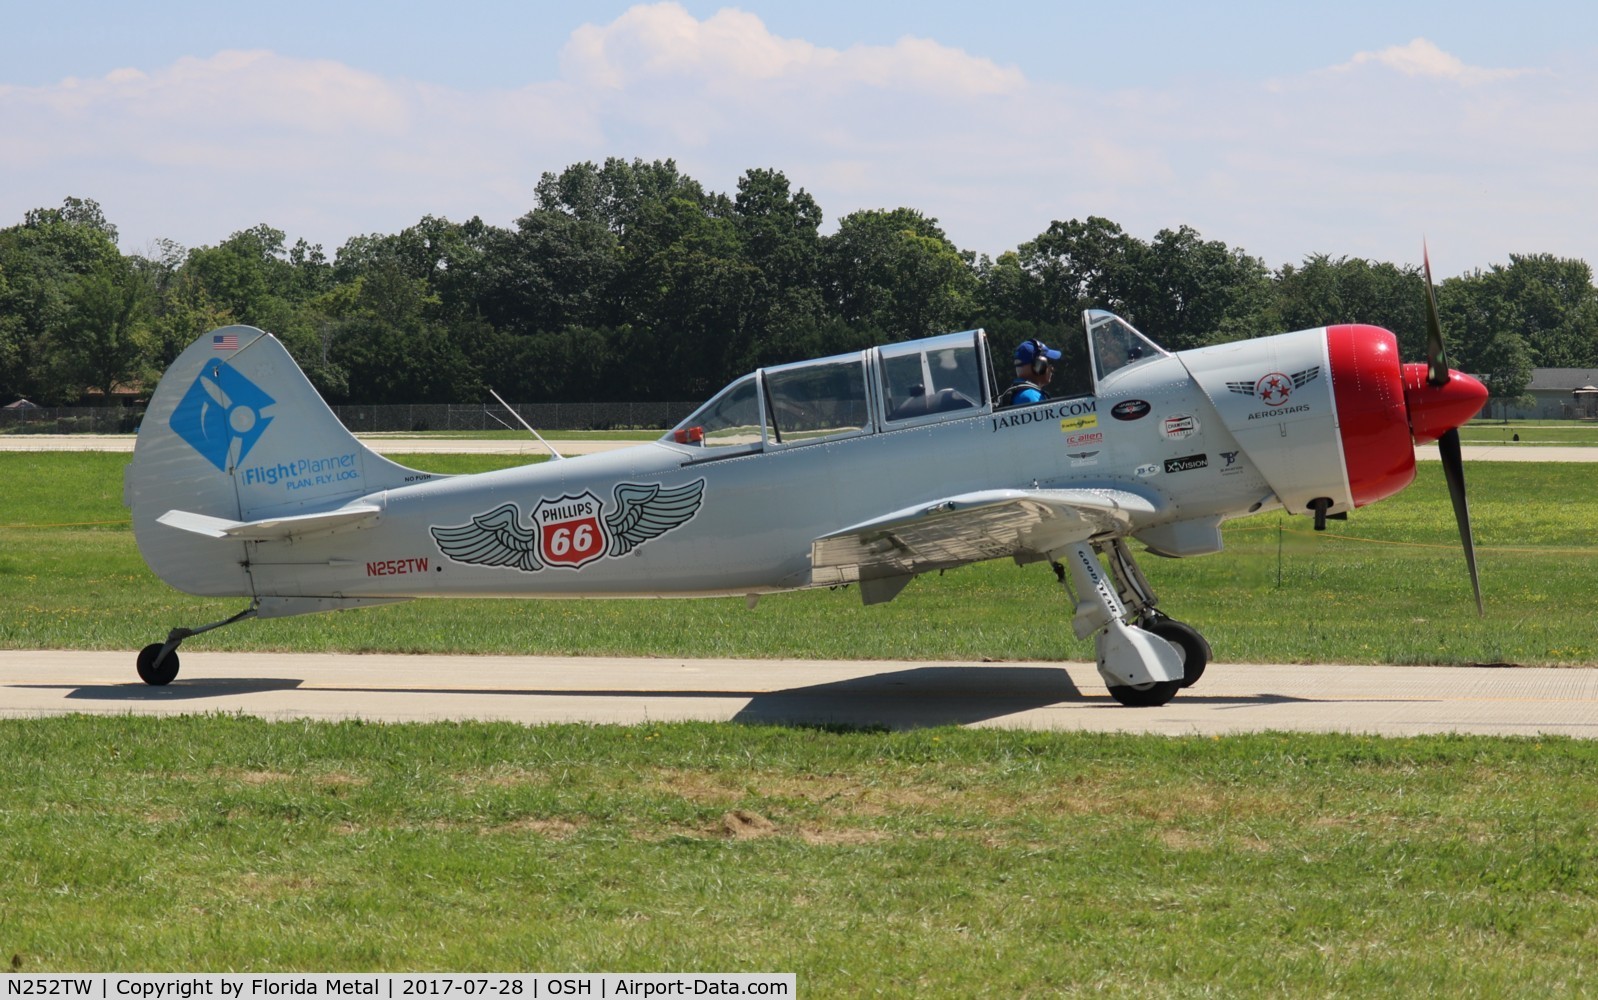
{"x":1144,"y":656}
{"x":158,"y":662}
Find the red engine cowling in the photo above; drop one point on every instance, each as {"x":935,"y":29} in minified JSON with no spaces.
{"x":1368,"y":385}
{"x":1385,"y":408}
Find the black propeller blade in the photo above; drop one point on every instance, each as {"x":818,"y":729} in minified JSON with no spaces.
{"x":1448,"y":447}
{"x":1436,"y":358}
{"x":1454,"y":472}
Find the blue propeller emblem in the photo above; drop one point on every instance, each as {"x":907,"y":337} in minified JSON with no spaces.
{"x":221,"y":407}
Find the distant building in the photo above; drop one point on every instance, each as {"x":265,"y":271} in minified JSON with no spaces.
{"x":1557,"y":394}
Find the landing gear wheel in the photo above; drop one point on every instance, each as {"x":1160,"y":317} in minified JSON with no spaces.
{"x":1151,"y":695}
{"x":1187,"y":640}
{"x":155,"y":675}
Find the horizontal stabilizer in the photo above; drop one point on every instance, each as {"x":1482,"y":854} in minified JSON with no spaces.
{"x":972,"y":527}
{"x":274,"y":528}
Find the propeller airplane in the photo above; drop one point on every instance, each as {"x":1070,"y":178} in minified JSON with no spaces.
{"x":868,"y":468}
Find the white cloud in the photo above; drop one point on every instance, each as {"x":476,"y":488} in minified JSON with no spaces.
{"x":663,"y":41}
{"x":733,"y":49}
{"x":1422,"y":58}
{"x":206,"y":146}
{"x":256,"y":88}
{"x":1361,"y":158}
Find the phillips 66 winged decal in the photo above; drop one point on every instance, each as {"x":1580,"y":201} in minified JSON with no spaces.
{"x":571,"y":531}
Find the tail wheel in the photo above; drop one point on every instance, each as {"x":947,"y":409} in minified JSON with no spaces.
{"x":1195,"y":651}
{"x":154,"y":674}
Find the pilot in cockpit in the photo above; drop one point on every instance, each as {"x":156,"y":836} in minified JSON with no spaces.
{"x":1034,"y":367}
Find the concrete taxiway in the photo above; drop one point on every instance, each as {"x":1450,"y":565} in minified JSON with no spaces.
{"x":1231,"y":698}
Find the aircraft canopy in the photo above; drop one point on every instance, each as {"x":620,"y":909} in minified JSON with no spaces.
{"x":883,"y":388}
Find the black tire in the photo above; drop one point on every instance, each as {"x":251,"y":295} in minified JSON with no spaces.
{"x":157,"y":675}
{"x":1151,"y":695}
{"x":1195,"y":651}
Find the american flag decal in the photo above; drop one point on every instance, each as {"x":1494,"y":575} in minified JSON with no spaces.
{"x":225,"y":342}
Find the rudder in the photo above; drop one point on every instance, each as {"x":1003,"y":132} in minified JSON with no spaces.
{"x":236,"y":431}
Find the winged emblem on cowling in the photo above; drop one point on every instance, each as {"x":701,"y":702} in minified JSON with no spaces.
{"x":567,"y":532}
{"x":1274,"y":388}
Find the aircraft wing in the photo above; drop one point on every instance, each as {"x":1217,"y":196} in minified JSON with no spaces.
{"x":883,"y":554}
{"x":273,"y":528}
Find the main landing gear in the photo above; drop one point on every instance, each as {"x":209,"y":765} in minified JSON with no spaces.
{"x":158,"y":662}
{"x":1144,"y":656}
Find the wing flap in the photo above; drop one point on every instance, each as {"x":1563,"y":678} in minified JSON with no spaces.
{"x":271,"y":529}
{"x":971,"y":527}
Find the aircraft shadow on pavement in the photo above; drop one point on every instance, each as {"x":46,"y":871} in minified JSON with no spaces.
{"x":915,"y":698}
{"x":905,"y":699}
{"x":945,"y":696}
{"x":182,"y":690}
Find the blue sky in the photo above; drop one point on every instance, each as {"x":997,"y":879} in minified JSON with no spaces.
{"x":1283,"y":129}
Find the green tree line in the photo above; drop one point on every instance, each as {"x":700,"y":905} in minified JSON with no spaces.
{"x":629,"y":281}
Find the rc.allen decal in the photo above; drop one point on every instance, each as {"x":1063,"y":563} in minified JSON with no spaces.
{"x":1063,"y":410}
{"x":1130,"y":409}
{"x":1274,"y":389}
{"x":570,"y":531}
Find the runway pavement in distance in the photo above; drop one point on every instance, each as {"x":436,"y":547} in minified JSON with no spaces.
{"x":383,"y":445}
{"x":403,"y":445}
{"x":1231,"y":698}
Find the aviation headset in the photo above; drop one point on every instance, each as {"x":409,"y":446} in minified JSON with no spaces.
{"x":1040,"y":359}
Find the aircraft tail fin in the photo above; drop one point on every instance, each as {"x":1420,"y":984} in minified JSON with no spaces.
{"x":235,"y":431}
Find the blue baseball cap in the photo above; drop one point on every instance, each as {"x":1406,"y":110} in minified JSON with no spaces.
{"x":1029,"y":350}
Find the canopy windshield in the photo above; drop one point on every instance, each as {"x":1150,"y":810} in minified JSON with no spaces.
{"x":1116,"y":345}
{"x":732,"y":417}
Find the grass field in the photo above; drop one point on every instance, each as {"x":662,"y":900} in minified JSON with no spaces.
{"x":1387,"y":586}
{"x":1565,"y":433}
{"x":941,"y":862}
{"x":937,"y":863}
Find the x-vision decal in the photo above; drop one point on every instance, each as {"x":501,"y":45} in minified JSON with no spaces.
{"x":570,"y":531}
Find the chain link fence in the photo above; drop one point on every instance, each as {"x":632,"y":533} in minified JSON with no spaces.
{"x":543,"y":416}
{"x":71,"y":420}
{"x":369,"y":419}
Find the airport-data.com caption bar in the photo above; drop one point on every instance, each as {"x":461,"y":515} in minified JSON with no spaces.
{"x":400,"y":986}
